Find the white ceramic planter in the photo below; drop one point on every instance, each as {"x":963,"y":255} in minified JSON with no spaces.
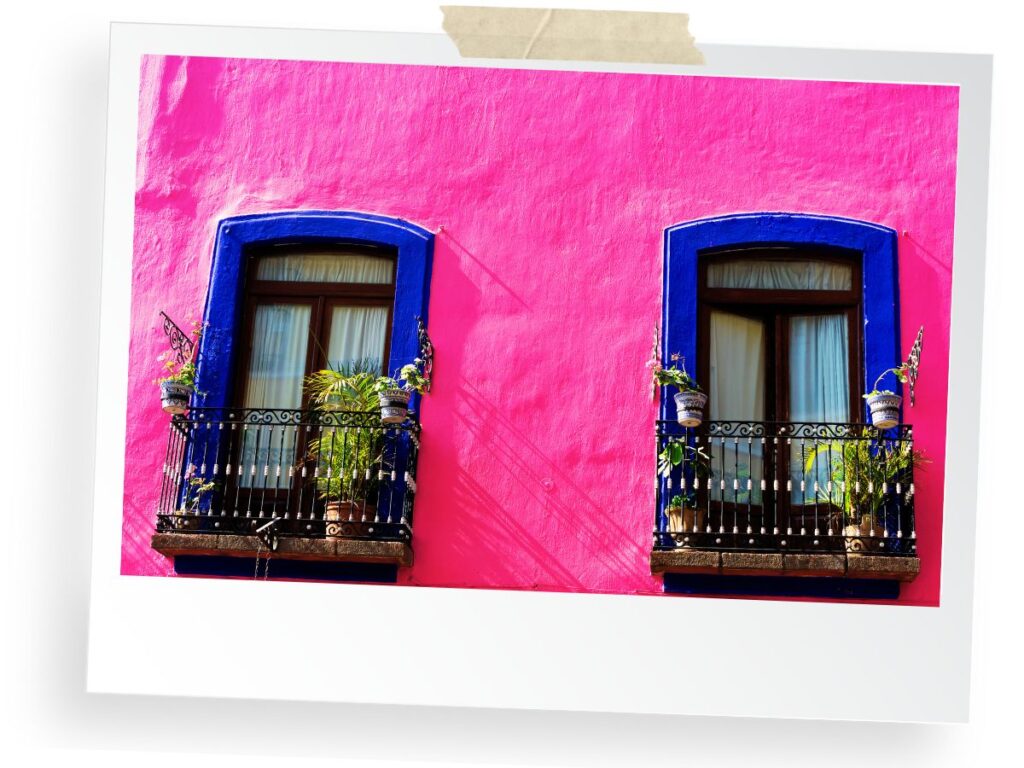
{"x":394,"y":405}
{"x":885,"y":410}
{"x":174,"y":396}
{"x":690,"y":407}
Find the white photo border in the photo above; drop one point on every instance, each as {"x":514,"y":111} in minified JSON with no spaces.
{"x":509,"y":649}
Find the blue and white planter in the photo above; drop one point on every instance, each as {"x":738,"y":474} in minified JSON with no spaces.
{"x":174,"y":396}
{"x":885,"y":410}
{"x":690,"y":407}
{"x":394,"y":405}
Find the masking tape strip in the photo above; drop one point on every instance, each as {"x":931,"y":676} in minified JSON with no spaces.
{"x":564,"y":35}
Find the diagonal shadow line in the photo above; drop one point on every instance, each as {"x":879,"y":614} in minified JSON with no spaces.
{"x":608,"y":533}
{"x":463,"y":250}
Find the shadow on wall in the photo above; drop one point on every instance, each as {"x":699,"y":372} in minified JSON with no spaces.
{"x":495,"y":509}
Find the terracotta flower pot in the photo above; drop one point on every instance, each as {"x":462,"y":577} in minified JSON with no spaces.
{"x":174,"y":396}
{"x":885,"y":410}
{"x":690,"y":407}
{"x":336,"y":513}
{"x":394,"y":405}
{"x":855,"y":534}
{"x":681,"y":520}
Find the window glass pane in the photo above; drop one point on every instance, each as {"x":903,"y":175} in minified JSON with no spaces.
{"x":766,"y":274}
{"x":736,"y":393}
{"x":326,"y":267}
{"x":357,"y":338}
{"x":274,"y":380}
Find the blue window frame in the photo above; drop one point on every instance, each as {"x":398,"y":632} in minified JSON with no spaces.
{"x":413,"y":245}
{"x":684,"y":243}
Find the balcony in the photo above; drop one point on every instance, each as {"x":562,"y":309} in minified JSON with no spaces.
{"x":785,"y":499}
{"x":291,"y":484}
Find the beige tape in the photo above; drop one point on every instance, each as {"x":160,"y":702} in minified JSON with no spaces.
{"x":561,"y":35}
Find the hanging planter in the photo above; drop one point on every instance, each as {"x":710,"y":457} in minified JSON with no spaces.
{"x":690,"y":407}
{"x":885,"y":409}
{"x":690,"y":401}
{"x":178,"y":386}
{"x":175,"y":396}
{"x":394,"y":405}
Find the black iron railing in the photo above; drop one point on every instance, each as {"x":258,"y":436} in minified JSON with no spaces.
{"x":292,"y":472}
{"x":783,"y":486}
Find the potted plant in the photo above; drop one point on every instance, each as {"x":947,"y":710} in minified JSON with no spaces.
{"x":885,"y":403}
{"x":683,"y":514}
{"x":861,"y":470}
{"x":690,"y":400}
{"x":178,"y":386}
{"x":394,"y":397}
{"x":345,"y":455}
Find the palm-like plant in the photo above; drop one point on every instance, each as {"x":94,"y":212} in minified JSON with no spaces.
{"x":860,"y":469}
{"x":345,"y":455}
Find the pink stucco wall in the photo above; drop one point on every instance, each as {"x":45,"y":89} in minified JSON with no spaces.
{"x":553,"y":190}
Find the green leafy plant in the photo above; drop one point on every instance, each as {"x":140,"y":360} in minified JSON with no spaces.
{"x":384,"y":383}
{"x":182,"y":371}
{"x":858,"y":469}
{"x":196,"y":490}
{"x":901,"y":373}
{"x":345,"y":455}
{"x":413,"y":377}
{"x":675,"y":375}
{"x":675,"y":452}
{"x":349,"y":387}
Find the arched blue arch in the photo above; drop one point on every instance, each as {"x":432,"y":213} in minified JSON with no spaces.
{"x":413,"y":244}
{"x":880,"y":280}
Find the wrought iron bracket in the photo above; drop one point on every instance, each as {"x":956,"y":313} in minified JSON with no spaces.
{"x":182,"y":346}
{"x":426,"y":352}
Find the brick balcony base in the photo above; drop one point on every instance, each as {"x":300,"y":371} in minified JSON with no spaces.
{"x":849,"y":565}
{"x":292,"y":548}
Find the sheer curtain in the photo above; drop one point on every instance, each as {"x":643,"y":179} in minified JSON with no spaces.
{"x":819,"y":391}
{"x":276,"y":368}
{"x":357,"y":338}
{"x":819,"y":360}
{"x":736,"y":393}
{"x":765,"y":274}
{"x":326,"y":267}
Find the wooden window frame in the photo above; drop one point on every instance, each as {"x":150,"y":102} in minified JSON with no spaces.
{"x":320,"y":296}
{"x":766,"y":304}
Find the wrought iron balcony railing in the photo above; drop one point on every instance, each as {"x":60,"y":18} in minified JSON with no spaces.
{"x":785,"y":487}
{"x":291,"y":473}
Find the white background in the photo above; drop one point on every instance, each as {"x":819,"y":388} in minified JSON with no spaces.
{"x":54,"y":88}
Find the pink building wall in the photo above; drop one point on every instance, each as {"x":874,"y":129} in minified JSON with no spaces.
{"x":551,"y":192}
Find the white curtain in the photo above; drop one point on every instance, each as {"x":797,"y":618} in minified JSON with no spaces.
{"x":326,"y":267}
{"x":819,"y":390}
{"x":819,"y":359}
{"x":778,"y":274}
{"x":357,"y":338}
{"x":276,"y":369}
{"x":736,"y":388}
{"x":736,"y":393}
